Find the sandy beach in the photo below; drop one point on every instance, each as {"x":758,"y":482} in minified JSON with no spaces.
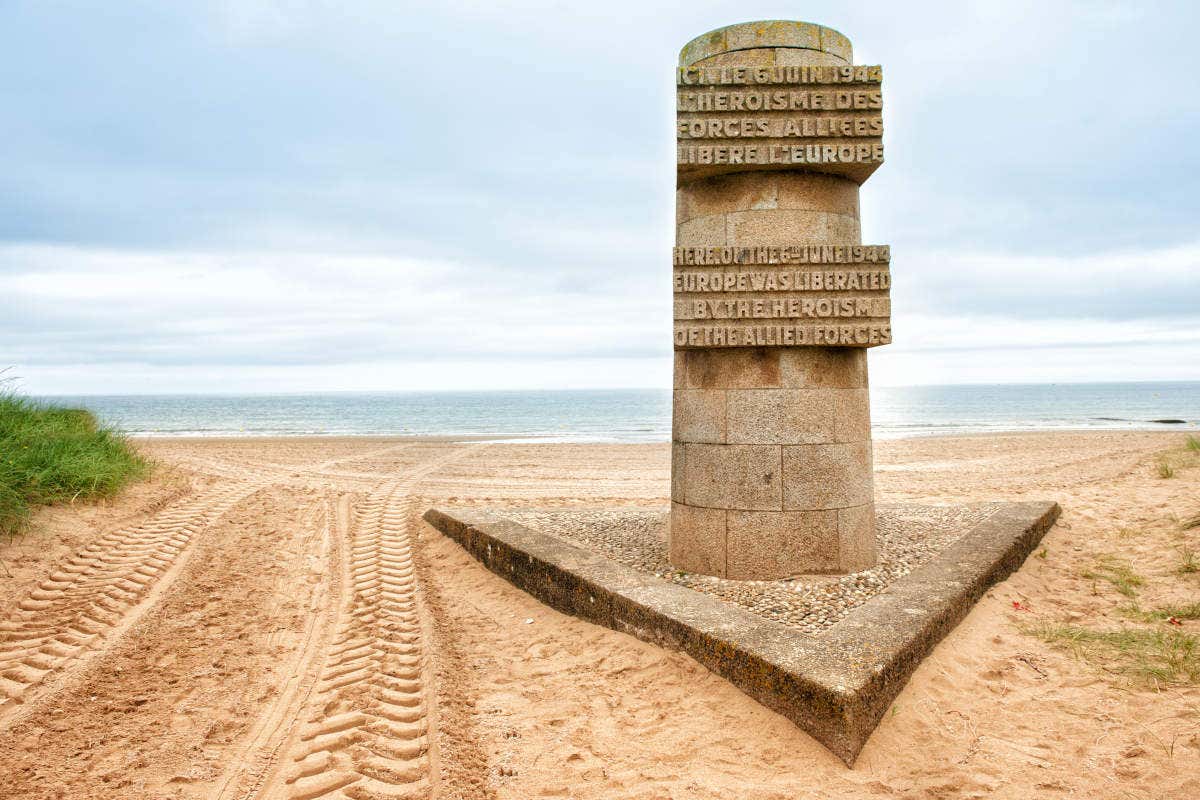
{"x":215,"y":633}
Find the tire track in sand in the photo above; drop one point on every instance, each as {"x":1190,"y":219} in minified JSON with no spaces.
{"x":303,"y":475}
{"x":261,"y":748}
{"x":366,"y":732}
{"x":100,"y":591}
{"x":105,"y":587}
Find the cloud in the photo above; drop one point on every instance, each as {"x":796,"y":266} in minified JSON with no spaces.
{"x":1160,"y":284}
{"x":298,"y":184}
{"x":71,"y":306}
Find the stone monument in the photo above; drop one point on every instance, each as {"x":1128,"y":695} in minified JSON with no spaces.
{"x":775,"y":302}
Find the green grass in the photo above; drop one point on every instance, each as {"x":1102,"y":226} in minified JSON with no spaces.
{"x":1116,"y":571}
{"x":1193,"y":444}
{"x":1188,"y":565}
{"x":1154,"y":656}
{"x":1133,"y":611}
{"x":1165,"y":470}
{"x":53,"y":455}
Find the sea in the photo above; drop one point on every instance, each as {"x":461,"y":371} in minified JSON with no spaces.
{"x":636,"y":415}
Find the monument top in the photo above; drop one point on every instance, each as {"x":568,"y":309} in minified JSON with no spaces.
{"x":767,"y":33}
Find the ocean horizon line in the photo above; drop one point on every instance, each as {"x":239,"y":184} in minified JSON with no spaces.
{"x":633,"y":415}
{"x":351,"y":392}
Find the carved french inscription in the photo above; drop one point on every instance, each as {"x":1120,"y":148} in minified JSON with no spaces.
{"x":820,"y":118}
{"x":823,"y":295}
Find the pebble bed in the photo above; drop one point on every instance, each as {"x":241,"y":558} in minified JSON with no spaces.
{"x":907,"y":537}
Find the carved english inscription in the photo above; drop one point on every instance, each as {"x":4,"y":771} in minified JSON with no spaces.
{"x":824,"y":295}
{"x":819,"y":118}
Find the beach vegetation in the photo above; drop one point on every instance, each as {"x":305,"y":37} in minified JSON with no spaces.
{"x":1188,"y":455}
{"x":50,"y":454}
{"x":1189,"y":565}
{"x":1170,"y":462}
{"x":1117,"y":572}
{"x":1151,"y":656}
{"x":1161,"y":614}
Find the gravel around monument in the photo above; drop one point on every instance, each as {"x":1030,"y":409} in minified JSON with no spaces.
{"x":906,"y":538}
{"x":212,"y":634}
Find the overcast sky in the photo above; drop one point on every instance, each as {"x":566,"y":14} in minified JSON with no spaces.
{"x":257,"y":196}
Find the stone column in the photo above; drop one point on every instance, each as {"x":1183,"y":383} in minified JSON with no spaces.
{"x":776,"y":301}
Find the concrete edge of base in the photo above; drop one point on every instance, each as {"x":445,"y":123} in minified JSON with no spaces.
{"x":836,"y":685}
